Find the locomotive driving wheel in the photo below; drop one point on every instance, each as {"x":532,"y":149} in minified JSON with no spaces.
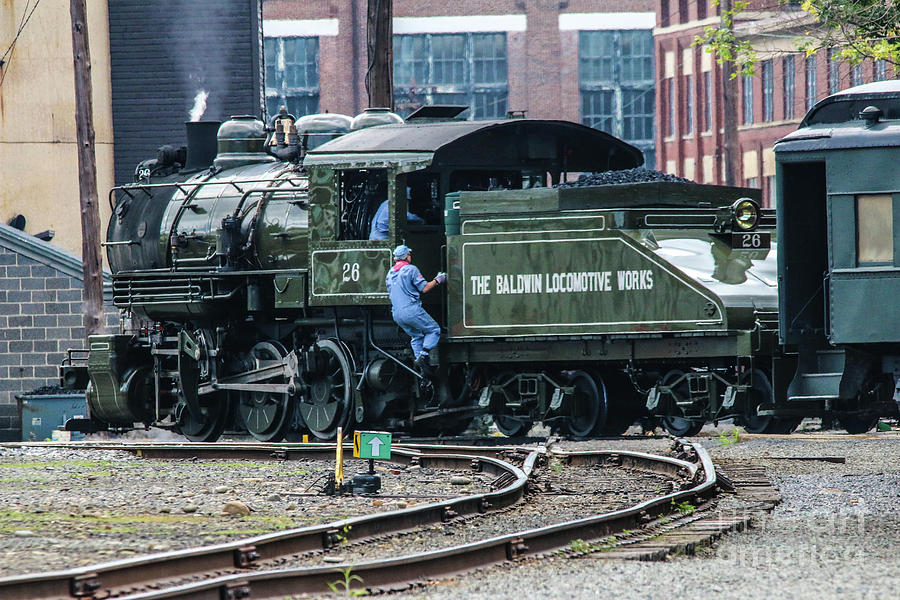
{"x":266,"y":414}
{"x":675,"y":424}
{"x":328,"y":401}
{"x":589,"y":406}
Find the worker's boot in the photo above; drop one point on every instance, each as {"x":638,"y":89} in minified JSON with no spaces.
{"x":424,"y":367}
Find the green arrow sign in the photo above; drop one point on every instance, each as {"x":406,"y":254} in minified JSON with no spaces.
{"x":374,"y":444}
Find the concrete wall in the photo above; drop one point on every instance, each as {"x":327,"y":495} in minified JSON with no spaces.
{"x":38,"y":160}
{"x":40,"y":317}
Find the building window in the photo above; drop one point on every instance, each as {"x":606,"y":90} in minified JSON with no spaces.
{"x":787,"y":75}
{"x":834,"y":77}
{"x":856,"y":75}
{"x":617,"y":84}
{"x":670,"y":93}
{"x":707,"y":101}
{"x":688,"y":104}
{"x":458,"y":68}
{"x":664,"y":13}
{"x":752,"y":182}
{"x":770,"y":188}
{"x":811,"y":91}
{"x":748,"y":99}
{"x":768,"y":91}
{"x":292,"y":75}
{"x":701,"y":9}
{"x":683,"y":13}
{"x":880,"y":70}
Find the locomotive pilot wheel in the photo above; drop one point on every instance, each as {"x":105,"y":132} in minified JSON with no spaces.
{"x":328,"y":401}
{"x":266,"y":415}
{"x":217,"y":408}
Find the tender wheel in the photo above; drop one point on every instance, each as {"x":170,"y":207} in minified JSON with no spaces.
{"x":677,"y":425}
{"x":217,"y":412}
{"x":266,"y":414}
{"x":512,"y":426}
{"x":328,"y":402}
{"x":760,"y":393}
{"x":624,"y":405}
{"x":857,"y":424}
{"x":589,"y":406}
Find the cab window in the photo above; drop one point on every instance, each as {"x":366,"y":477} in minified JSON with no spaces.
{"x":360,"y":193}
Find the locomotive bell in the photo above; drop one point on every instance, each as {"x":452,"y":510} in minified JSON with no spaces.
{"x":241,"y":141}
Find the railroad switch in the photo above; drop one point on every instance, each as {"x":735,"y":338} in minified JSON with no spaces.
{"x":366,"y":483}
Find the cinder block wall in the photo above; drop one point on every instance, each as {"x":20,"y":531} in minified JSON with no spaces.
{"x":40,"y":318}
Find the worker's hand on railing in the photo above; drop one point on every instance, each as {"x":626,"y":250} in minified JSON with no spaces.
{"x":440,"y":278}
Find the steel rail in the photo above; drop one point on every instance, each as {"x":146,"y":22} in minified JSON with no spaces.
{"x":259,"y":450}
{"x":394,"y":572}
{"x":117,"y":577}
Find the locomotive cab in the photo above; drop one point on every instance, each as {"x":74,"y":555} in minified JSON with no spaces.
{"x":414,"y":166}
{"x":838,"y":203}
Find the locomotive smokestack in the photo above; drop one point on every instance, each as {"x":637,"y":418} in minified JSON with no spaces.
{"x":202,"y":149}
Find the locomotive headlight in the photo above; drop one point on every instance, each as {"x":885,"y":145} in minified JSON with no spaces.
{"x":745,"y":213}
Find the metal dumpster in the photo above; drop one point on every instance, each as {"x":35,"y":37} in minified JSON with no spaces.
{"x":42,"y":414}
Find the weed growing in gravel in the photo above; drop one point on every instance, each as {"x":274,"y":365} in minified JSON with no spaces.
{"x":556,"y":466}
{"x":336,"y":586}
{"x":729,"y":438}
{"x":579,"y":545}
{"x":684,"y":508}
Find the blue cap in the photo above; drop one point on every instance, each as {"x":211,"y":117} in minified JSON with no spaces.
{"x":401,"y":251}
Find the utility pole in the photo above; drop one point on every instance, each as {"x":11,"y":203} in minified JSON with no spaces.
{"x":92,"y":299}
{"x":380,"y":53}
{"x":729,"y":107}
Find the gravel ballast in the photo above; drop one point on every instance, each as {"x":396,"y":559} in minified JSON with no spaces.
{"x":835,"y":536}
{"x":67,"y":508}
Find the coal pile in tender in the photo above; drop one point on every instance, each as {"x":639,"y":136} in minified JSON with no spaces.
{"x":638,"y":175}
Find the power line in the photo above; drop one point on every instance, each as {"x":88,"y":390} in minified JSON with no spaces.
{"x":7,"y":55}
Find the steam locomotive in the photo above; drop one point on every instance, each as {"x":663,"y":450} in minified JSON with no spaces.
{"x":251,"y":296}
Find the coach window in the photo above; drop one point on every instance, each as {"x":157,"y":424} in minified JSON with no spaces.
{"x":361,"y":192}
{"x":875,"y":229}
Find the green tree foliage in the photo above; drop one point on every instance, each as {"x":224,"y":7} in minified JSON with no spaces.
{"x":861,"y":29}
{"x":857,"y":29}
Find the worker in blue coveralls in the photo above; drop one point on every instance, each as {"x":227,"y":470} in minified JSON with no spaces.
{"x":405,"y":286}
{"x":380,"y":222}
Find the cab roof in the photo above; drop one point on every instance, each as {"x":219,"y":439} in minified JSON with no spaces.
{"x":553,"y":145}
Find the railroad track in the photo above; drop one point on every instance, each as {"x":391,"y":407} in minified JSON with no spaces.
{"x":239,"y":569}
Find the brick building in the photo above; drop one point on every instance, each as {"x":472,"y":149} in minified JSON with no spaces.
{"x":770,"y":104}
{"x":579,"y":60}
{"x":40,"y":317}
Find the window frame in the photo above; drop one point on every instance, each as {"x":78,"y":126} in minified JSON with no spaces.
{"x":280,"y":91}
{"x":767,"y":74}
{"x":486,"y":97}
{"x":812,"y":83}
{"x":789,"y":85}
{"x":879,"y":219}
{"x":620,"y":65}
{"x":747,"y":99}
